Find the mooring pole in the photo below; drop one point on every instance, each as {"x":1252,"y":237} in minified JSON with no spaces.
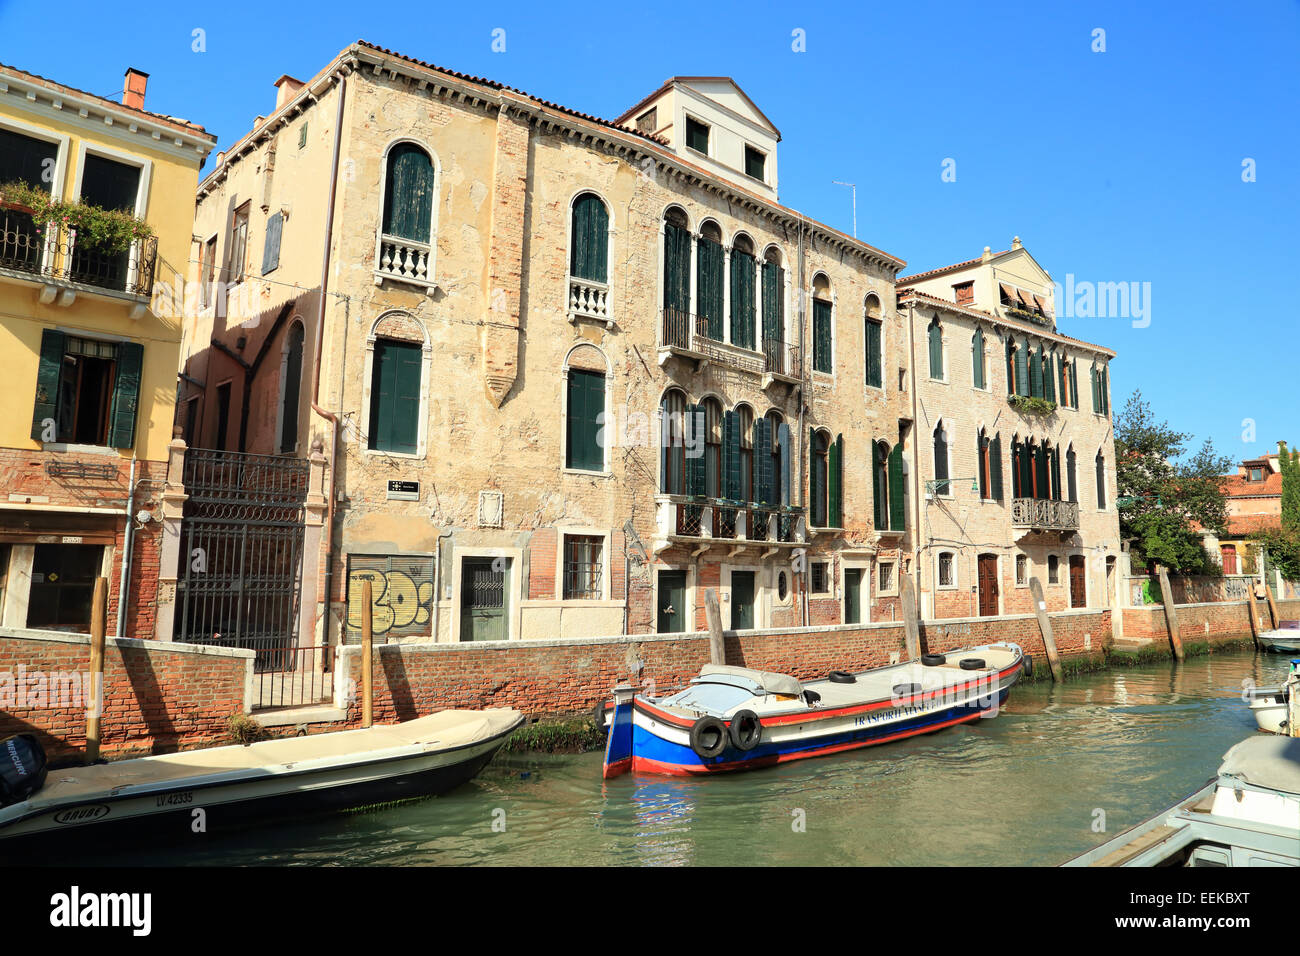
{"x":367,"y":651}
{"x":1171,"y":612}
{"x":717,"y":648}
{"x":1045,"y":628}
{"x":1272,"y":607}
{"x":1253,"y":613}
{"x":911,"y":627}
{"x":95,"y":706}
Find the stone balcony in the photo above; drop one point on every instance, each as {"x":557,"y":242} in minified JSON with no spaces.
{"x":1044,"y":514}
{"x":686,"y":336}
{"x":704,"y":523}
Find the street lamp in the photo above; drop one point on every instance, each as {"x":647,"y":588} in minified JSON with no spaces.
{"x":932,"y":487}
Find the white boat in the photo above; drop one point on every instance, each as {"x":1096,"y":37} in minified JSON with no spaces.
{"x":736,"y":718}
{"x":1249,"y":815}
{"x":1284,"y":640}
{"x":161,"y":796}
{"x":1269,"y":705}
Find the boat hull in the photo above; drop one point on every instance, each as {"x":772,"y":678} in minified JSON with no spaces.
{"x":1281,"y":641}
{"x":167,"y":814}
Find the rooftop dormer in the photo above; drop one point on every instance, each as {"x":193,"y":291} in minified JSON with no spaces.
{"x":710,"y":122}
{"x":1009,"y":283}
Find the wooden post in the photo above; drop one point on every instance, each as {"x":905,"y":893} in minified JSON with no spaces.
{"x":1171,"y":612}
{"x":367,"y":658}
{"x":1253,"y":613}
{"x":717,"y":648}
{"x":911,"y":626}
{"x":98,"y":614}
{"x":1045,"y":629}
{"x":1272,"y":608}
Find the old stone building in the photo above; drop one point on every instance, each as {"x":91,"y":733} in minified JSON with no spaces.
{"x":1017,"y":461}
{"x":561,"y":374}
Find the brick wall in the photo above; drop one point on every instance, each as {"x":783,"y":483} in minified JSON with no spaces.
{"x":158,"y":697}
{"x":1213,"y":622}
{"x":569,"y":676}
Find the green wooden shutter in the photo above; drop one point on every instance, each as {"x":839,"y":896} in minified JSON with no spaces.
{"x":977,"y":358}
{"x":1074,"y":384}
{"x":995,"y":467}
{"x":408,"y":193}
{"x":875,"y":376}
{"x":897,"y":517}
{"x":271,"y":249}
{"x":677,"y":268}
{"x":833,"y":477}
{"x":878,"y":489}
{"x":783,"y":441}
{"x":709,"y":285}
{"x":764,"y":490}
{"x":731,"y":456}
{"x":981,"y":449}
{"x":1022,"y":369}
{"x":126,"y":395}
{"x":1040,"y":460}
{"x":590,"y":240}
{"x":1036,"y":373}
{"x":742,"y":299}
{"x":1072,"y":487}
{"x":696,"y":467}
{"x":48,"y":370}
{"x":941,"y":460}
{"x":1056,"y":474}
{"x":1049,"y":378}
{"x":586,"y":403}
{"x":821,"y":335}
{"x":773,"y":324}
{"x":1101,"y":483}
{"x":395,"y":397}
{"x":936,"y":351}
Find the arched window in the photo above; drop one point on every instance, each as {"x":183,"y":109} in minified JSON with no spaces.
{"x":874,"y":341}
{"x":744,"y":284}
{"x":880,"y":491}
{"x":672,"y":443}
{"x":1101,"y":480}
{"x":291,"y":383}
{"x":935,"y":333}
{"x":708,"y":280}
{"x":408,"y":193}
{"x":1036,"y":372}
{"x":584,"y":410}
{"x":941,"y":474}
{"x":773,"y":287}
{"x":819,"y":478}
{"x":712,"y":448}
{"x":1011,"y":366}
{"x":589,"y":248}
{"x":823,"y":321}
{"x":947,"y":570}
{"x":1067,"y":378}
{"x":977,"y":358}
{"x":745,"y":419}
{"x":989,"y":456}
{"x":677,"y":278}
{"x":1071,"y":479}
{"x":779,"y":452}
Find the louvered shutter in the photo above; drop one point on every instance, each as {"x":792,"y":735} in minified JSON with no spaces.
{"x":875,"y":376}
{"x":126,"y":395}
{"x":271,"y":249}
{"x":586,"y":402}
{"x":977,"y":358}
{"x":897,"y":521}
{"x":590,"y":247}
{"x":48,"y":370}
{"x":995,"y":467}
{"x":936,"y":352}
{"x":783,"y":441}
{"x":760,"y":442}
{"x":677,"y":268}
{"x":1011,"y":366}
{"x":1056,"y":474}
{"x":981,"y":453}
{"x":696,"y":475}
{"x":1101,"y":483}
{"x":731,"y":456}
{"x":941,"y":460}
{"x":879,"y":488}
{"x":1040,"y":471}
{"x":835,"y":481}
{"x":408,"y":193}
{"x":1049,"y":378}
{"x":1074,"y":384}
{"x":821,"y":335}
{"x":709,"y":286}
{"x":1022,"y":369}
{"x":773,"y":320}
{"x":742,"y":299}
{"x":1036,"y":373}
{"x":1070,"y":476}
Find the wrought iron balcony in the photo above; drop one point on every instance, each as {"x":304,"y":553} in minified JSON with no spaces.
{"x":680,"y":519}
{"x":1044,"y":514}
{"x":52,"y":252}
{"x":688,"y":335}
{"x":783,"y":359}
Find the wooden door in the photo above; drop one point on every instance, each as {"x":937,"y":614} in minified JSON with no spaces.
{"x":988,"y":583}
{"x":483,"y":603}
{"x":1078,"y":590}
{"x":742,"y":600}
{"x":670,"y":615}
{"x":852,"y":595}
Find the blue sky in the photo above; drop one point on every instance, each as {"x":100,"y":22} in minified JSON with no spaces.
{"x":1123,"y":165}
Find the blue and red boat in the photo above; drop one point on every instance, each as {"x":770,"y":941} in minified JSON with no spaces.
{"x":735,"y":718}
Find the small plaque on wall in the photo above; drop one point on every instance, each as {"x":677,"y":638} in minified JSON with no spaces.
{"x":404,"y":491}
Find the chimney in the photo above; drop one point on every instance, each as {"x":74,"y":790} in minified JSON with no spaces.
{"x":133,"y":92}
{"x":286,"y":88}
{"x":988,"y":254}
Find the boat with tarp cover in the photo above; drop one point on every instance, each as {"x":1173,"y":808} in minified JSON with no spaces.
{"x":157,"y":796}
{"x":736,"y":718}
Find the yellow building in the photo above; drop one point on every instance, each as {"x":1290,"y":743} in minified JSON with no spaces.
{"x":90,"y":336}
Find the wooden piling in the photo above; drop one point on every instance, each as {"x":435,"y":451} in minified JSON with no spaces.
{"x":1253,"y":613}
{"x":717,"y":648}
{"x":1045,"y":629}
{"x":95,"y":708}
{"x":1272,"y":607}
{"x":1171,"y":613}
{"x":367,"y":655}
{"x":911,"y":626}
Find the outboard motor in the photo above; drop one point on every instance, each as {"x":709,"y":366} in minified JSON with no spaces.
{"x":22,"y":768}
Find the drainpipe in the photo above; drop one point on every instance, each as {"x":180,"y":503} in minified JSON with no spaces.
{"x":123,"y":595}
{"x":320,"y":336}
{"x":804,"y":391}
{"x":917,"y":484}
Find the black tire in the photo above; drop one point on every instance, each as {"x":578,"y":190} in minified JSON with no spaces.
{"x":598,"y":715}
{"x":906,"y":690}
{"x":973,"y":664}
{"x":841,"y":677}
{"x":933,"y":660}
{"x":709,"y":737}
{"x":1028,"y":665}
{"x":744,"y":730}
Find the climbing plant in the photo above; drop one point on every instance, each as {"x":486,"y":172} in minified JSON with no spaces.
{"x":108,"y":230}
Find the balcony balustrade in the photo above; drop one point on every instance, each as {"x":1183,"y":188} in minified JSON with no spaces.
{"x":52,"y":252}
{"x":707,"y":519}
{"x":589,"y":299}
{"x":403,"y":259}
{"x":1044,"y":514}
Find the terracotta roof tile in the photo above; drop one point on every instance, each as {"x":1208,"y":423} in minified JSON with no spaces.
{"x":904,"y":293}
{"x":952,"y":268}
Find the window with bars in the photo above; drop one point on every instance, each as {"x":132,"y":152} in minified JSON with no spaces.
{"x":583,"y":567}
{"x":886,"y":577}
{"x":1022,"y":570}
{"x":946,"y":572}
{"x":819,"y":577}
{"x":1053,"y":569}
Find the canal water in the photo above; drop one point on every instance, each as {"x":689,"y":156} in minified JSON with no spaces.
{"x":1027,"y":787}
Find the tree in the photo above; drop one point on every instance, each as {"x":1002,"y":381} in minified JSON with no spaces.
{"x":1290,"y":467}
{"x":1166,"y":498}
{"x":1283,"y":543}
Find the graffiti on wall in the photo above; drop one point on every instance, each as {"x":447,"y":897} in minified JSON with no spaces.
{"x":401,"y":599}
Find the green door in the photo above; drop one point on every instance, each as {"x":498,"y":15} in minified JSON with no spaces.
{"x":483,"y":587}
{"x":671,"y":615}
{"x":852,"y":595}
{"x":742,"y":600}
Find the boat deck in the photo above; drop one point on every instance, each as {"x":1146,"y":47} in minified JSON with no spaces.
{"x":879,"y":684}
{"x":447,"y":729}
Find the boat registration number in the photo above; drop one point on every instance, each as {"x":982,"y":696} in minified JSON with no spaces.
{"x":176,"y":799}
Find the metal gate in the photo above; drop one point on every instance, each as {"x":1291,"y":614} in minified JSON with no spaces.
{"x":240,"y":586}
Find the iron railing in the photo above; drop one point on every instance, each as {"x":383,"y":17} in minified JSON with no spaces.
{"x":1045,"y":513}
{"x":53,"y":252}
{"x":782,"y":358}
